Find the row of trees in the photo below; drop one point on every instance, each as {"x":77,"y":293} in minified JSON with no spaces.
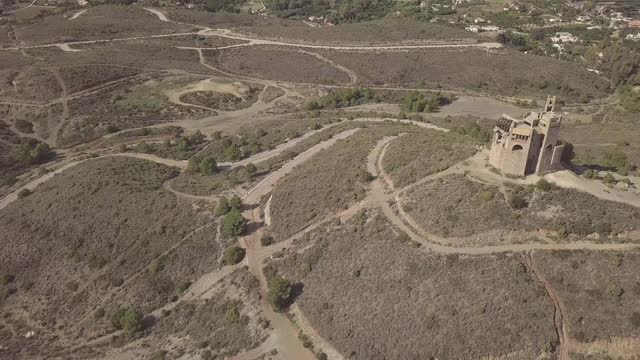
{"x":416,"y":101}
{"x":339,"y":98}
{"x":32,"y":152}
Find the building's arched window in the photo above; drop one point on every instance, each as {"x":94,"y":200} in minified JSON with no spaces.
{"x":516,"y":148}
{"x":548,"y":147}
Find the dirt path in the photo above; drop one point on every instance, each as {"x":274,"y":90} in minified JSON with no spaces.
{"x":32,"y":185}
{"x":380,"y":197}
{"x":33,"y":3}
{"x":53,"y":138}
{"x":284,"y":333}
{"x":558,"y":311}
{"x":77,"y":15}
{"x":353,"y":77}
{"x":569,"y":180}
{"x":110,"y":294}
{"x":226,"y":33}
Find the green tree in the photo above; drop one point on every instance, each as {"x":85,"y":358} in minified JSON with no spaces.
{"x":279,"y":292}
{"x":32,"y":152}
{"x":234,"y":224}
{"x":197,"y":137}
{"x":232,"y":312}
{"x":232,"y":152}
{"x":223,"y":206}
{"x":207,"y":165}
{"x":127,"y":319}
{"x":24,"y":193}
{"x":233,"y":255}
{"x":517,"y":201}
{"x":544,"y":185}
{"x":235,"y":203}
{"x":142,"y":147}
{"x":250,"y":171}
{"x":193,"y":165}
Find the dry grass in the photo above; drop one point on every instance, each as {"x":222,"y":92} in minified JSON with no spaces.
{"x":86,"y":227}
{"x":268,"y":62}
{"x":31,"y":85}
{"x":502,"y":72}
{"x":415,"y":156}
{"x":136,"y":103}
{"x":598,"y":291}
{"x":372,"y":32}
{"x":221,"y":101}
{"x":465,"y":210}
{"x":328,"y":182}
{"x":100,"y":22}
{"x":373,"y":296}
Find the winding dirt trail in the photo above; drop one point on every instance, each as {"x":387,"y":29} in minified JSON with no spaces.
{"x":77,"y":15}
{"x":285,"y":335}
{"x":353,"y":77}
{"x":250,"y":41}
{"x":53,"y":138}
{"x":381,"y":197}
{"x":558,"y":311}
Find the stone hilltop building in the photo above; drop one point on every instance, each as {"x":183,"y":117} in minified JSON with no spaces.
{"x":528,"y":146}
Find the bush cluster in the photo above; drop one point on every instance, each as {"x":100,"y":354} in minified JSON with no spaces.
{"x":127,"y":319}
{"x":31,"y":152}
{"x":233,"y":255}
{"x":416,"y":101}
{"x":342,"y":98}
{"x":279,"y":292}
{"x":205,"y":165}
{"x":233,"y":224}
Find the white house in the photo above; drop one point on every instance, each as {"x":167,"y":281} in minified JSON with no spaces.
{"x":564,"y":37}
{"x":634,"y":37}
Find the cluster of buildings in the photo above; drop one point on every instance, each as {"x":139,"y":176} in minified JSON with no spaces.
{"x":481,"y":25}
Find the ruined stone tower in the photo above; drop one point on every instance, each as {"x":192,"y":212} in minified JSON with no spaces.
{"x":528,"y":146}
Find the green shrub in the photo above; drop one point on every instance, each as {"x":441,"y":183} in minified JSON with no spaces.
{"x":6,"y":279}
{"x":207,"y":165}
{"x":617,"y":160}
{"x":250,"y":170}
{"x":98,"y":313}
{"x":233,"y":255}
{"x":157,"y":265}
{"x":416,"y":101}
{"x":614,"y":290}
{"x":279,"y":292}
{"x":544,"y":185}
{"x":473,"y":130}
{"x":123,"y":148}
{"x":338,"y":98}
{"x":142,"y":147}
{"x":517,"y":201}
{"x":223,"y":206}
{"x":232,"y":152}
{"x":127,"y":319}
{"x":266,"y":239}
{"x":235,"y":203}
{"x":364,"y":175}
{"x":24,"y":193}
{"x":589,"y":174}
{"x":32,"y":152}
{"x":182,"y":286}
{"x":232,"y":312}
{"x":609,"y":179}
{"x":485,"y":196}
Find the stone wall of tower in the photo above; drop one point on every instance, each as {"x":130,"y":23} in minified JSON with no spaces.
{"x":546,"y":160}
{"x":514,"y":161}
